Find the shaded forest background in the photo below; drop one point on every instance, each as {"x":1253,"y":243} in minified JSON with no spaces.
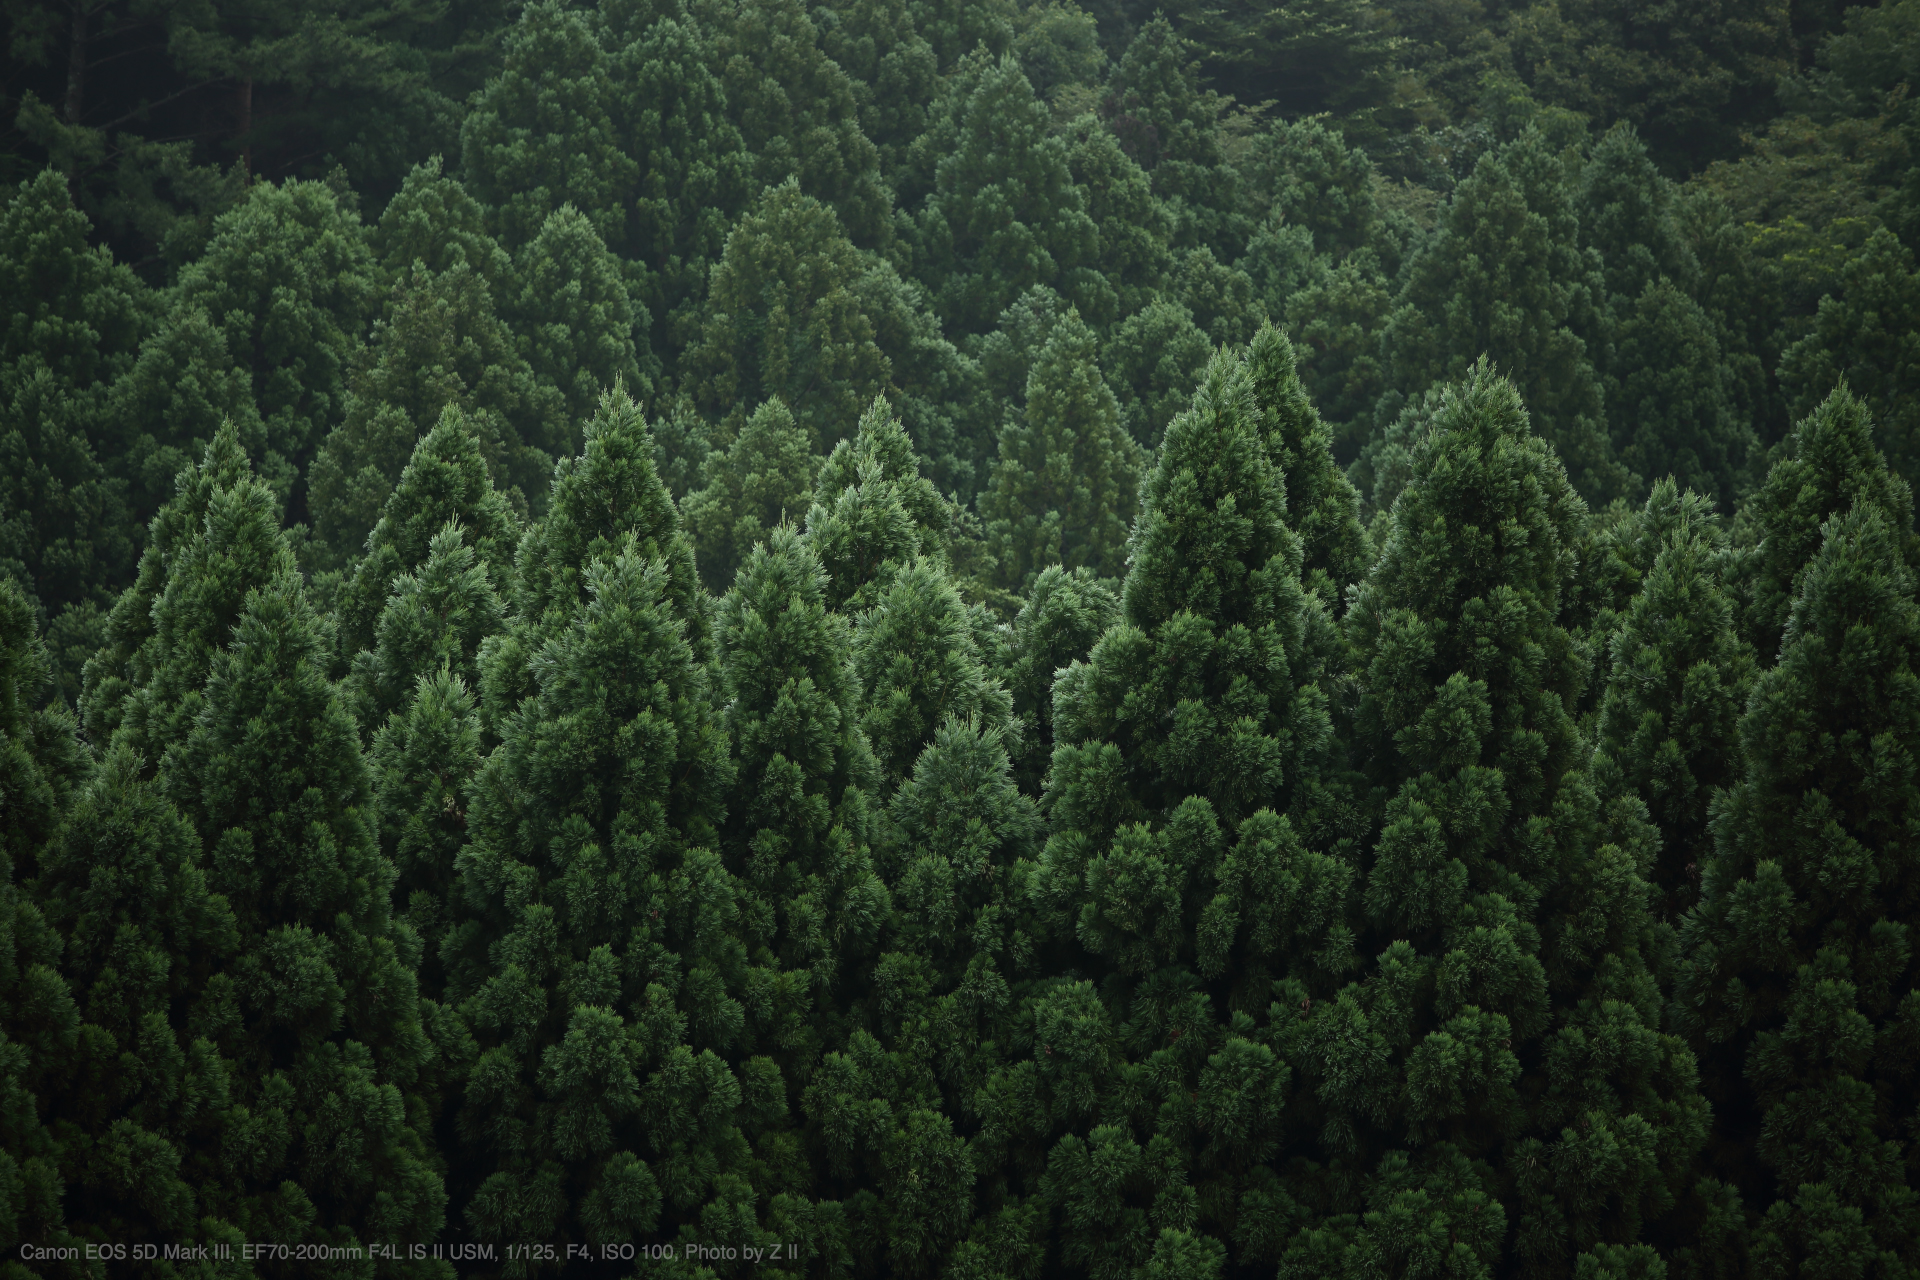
{"x":988,"y":639}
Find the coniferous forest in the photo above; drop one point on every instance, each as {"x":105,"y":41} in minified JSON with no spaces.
{"x":960,"y":639}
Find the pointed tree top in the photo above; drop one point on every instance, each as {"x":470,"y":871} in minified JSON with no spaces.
{"x":1212,"y":531}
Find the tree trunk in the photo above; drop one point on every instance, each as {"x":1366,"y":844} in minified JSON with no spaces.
{"x":246,"y":126}
{"x":77,"y":64}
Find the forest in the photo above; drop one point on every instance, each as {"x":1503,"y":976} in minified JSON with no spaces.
{"x":960,"y":639}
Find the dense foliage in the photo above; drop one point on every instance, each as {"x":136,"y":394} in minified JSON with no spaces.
{"x":982,"y":641}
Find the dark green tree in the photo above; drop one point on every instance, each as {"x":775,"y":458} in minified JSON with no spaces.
{"x":1677,"y":675}
{"x":893,"y":70}
{"x":1306,"y":58}
{"x":1869,"y":337}
{"x":918,"y":665}
{"x":572,"y":318}
{"x":288,"y":279}
{"x":1170,"y":877}
{"x":795,"y":311}
{"x":761,"y":482}
{"x":801,"y":825}
{"x":1133,"y":226}
{"x":1335,"y":323}
{"x":695,"y":169}
{"x":1799,"y":976}
{"x":1154,"y":360}
{"x":873,"y":510}
{"x":544,"y":133}
{"x":607,"y":495}
{"x":446,"y":481}
{"x":435,"y":616}
{"x":433,"y":219}
{"x":1689,"y":79}
{"x":42,"y":762}
{"x":797,"y":111}
{"x":1064,"y":488}
{"x":1064,"y":613}
{"x":1830,"y":465}
{"x":335,"y":1063}
{"x":70,"y":322}
{"x":1322,"y":507}
{"x":1505,"y":277}
{"x":1672,"y":399}
{"x":1499,"y":893}
{"x":786,"y":315}
{"x":163,"y":412}
{"x":1629,"y":213}
{"x":441,"y":346}
{"x":207,"y":550}
{"x":68,"y":303}
{"x":1004,"y":213}
{"x":600,"y":953}
{"x":1306,"y":174}
{"x":1216,"y":634}
{"x":1155,"y":106}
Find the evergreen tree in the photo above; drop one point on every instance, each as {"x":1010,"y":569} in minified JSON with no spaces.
{"x":1505,"y":277}
{"x":207,"y":550}
{"x":1676,"y":682}
{"x":1004,"y":214}
{"x":797,"y":111}
{"x":600,"y":953}
{"x":1220,"y":298}
{"x":445,"y":482}
{"x":919,"y":665}
{"x":435,"y":616}
{"x":70,"y":322}
{"x":1335,"y":323}
{"x":795,"y":311}
{"x":1799,"y":977}
{"x":1830,"y":466}
{"x":1154,"y":105}
{"x":164,"y":411}
{"x":1509,"y":1023}
{"x":288,"y":279}
{"x":1132,"y":224}
{"x":1305,"y":174}
{"x":575,"y":325}
{"x":784,"y":317}
{"x":434,"y":220}
{"x":800,"y":825}
{"x":1671,"y":396}
{"x":1064,"y":613}
{"x":873,"y":510}
{"x":603,"y":498}
{"x":441,"y":345}
{"x":41,"y":763}
{"x":334,"y":1069}
{"x":69,"y":305}
{"x":1064,"y":487}
{"x":1216,"y":633}
{"x":1322,"y":507}
{"x":148,"y":1098}
{"x":1627,"y":211}
{"x":1170,"y":876}
{"x":695,"y":169}
{"x":1869,"y":336}
{"x":761,"y":482}
{"x":65,"y":532}
{"x":543,"y":132}
{"x":1154,"y":360}
{"x":893,"y":70}
{"x":937,"y":1005}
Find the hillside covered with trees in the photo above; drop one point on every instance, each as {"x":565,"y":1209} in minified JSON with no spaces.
{"x":960,"y":639}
